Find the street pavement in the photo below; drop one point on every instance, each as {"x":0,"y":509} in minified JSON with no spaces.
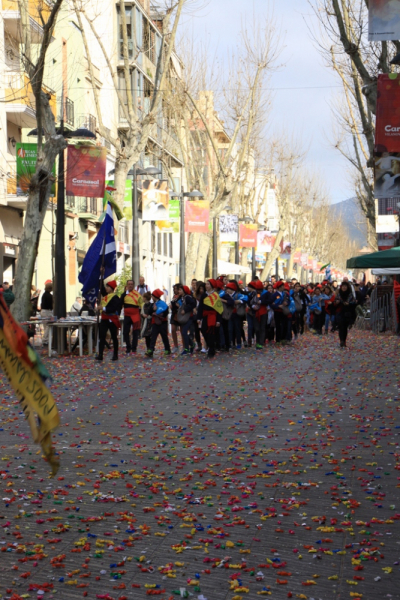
{"x":260,"y":473}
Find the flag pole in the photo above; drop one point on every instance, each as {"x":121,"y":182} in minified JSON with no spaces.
{"x":100,"y":288}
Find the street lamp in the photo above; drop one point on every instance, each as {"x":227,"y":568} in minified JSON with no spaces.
{"x":182,"y":251}
{"x":134,"y":173}
{"x":60,"y":309}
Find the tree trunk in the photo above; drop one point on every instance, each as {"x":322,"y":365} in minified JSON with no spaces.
{"x":204,"y":246}
{"x":272,"y":255}
{"x":289,"y":269}
{"x":191,"y":255}
{"x":40,"y":189}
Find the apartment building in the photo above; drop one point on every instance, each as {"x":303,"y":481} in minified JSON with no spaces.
{"x":70,"y":86}
{"x":17,"y":115}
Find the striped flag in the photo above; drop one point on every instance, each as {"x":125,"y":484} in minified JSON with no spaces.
{"x":27,"y":375}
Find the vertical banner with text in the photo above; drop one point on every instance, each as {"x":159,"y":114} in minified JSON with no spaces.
{"x":155,"y":200}
{"x":228,"y":228}
{"x":197,"y":216}
{"x":384,"y":20}
{"x":248,"y":235}
{"x":26,"y":166}
{"x":86,"y":171}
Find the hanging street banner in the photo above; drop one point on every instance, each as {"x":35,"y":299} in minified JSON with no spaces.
{"x":228,"y":228}
{"x":304,"y":260}
{"x":387,"y":174}
{"x":197,"y":216}
{"x":286,"y":249}
{"x":297,"y":256}
{"x":248,"y":235}
{"x":310,"y":262}
{"x":387,"y":130}
{"x":384,"y":20}
{"x":174,"y":211}
{"x":86,"y":171}
{"x":265,"y":241}
{"x":171,"y":225}
{"x":155,"y":200}
{"x":26,"y":166}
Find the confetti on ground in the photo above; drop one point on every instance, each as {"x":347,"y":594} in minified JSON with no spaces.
{"x":272,"y":473}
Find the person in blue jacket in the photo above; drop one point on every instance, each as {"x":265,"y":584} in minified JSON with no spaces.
{"x":159,"y":323}
{"x":236,"y":321}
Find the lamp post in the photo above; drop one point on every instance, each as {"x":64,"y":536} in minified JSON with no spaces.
{"x":59,"y":257}
{"x":133,"y":174}
{"x":182,"y":250}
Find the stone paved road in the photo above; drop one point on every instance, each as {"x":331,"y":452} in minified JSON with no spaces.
{"x":271,"y":473}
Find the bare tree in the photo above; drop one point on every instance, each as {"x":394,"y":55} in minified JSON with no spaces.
{"x":344,"y":45}
{"x":243,"y":107}
{"x":49,"y":145}
{"x":131,"y":141}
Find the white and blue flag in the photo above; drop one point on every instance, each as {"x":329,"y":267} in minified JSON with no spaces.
{"x":89,"y":276}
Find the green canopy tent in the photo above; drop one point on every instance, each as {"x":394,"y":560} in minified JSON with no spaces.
{"x":376,"y":260}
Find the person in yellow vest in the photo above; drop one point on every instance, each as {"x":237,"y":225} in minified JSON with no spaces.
{"x":132,"y":302}
{"x":110,"y":308}
{"x":209,"y":314}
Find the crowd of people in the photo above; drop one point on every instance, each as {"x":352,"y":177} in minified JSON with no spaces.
{"x":222,"y":314}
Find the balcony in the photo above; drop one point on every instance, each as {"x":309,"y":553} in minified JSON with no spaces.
{"x":88,"y":208}
{"x":12,"y":19}
{"x":88,"y":122}
{"x":20,"y":104}
{"x":66,"y":112}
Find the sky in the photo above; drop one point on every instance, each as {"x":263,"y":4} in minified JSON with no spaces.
{"x":305,"y":112}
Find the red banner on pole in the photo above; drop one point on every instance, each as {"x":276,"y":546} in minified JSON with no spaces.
{"x":387,"y":131}
{"x":86,"y":171}
{"x":248,"y":235}
{"x":297,"y":256}
{"x":197,"y":216}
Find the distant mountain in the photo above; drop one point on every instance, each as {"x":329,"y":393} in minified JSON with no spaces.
{"x":353,"y":219}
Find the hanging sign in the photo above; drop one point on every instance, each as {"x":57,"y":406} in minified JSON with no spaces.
{"x":197,"y":216}
{"x":248,"y":235}
{"x":155,"y":200}
{"x":86,"y":171}
{"x":228,"y":228}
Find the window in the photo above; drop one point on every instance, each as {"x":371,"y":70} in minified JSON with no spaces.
{"x":93,"y":206}
{"x":123,"y":232}
{"x":70,"y":201}
{"x":159,"y":243}
{"x":129,"y":32}
{"x":165,"y":236}
{"x":170,"y":253}
{"x":153,"y":236}
{"x":147,"y":93}
{"x":387,"y":206}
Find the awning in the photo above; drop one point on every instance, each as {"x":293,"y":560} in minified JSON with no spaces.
{"x":232,"y":269}
{"x":375,"y":260}
{"x":392,"y":271}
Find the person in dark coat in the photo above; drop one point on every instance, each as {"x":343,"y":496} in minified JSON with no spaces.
{"x":344,"y":303}
{"x":110,"y":308}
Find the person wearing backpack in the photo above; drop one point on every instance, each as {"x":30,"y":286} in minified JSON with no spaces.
{"x":159,"y":324}
{"x":258,"y":311}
